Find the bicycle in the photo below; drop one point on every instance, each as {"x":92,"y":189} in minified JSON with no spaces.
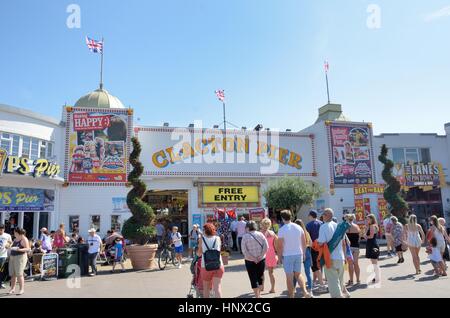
{"x":167,"y":255}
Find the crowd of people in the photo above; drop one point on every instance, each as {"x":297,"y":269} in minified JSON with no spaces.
{"x":18,"y":251}
{"x":316,"y":256}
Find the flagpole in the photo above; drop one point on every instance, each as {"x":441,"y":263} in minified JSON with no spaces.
{"x":328,"y":89}
{"x":224,"y":120}
{"x":101,"y":66}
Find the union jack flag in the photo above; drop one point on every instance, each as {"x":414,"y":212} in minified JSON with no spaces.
{"x":94,"y":46}
{"x":326,"y":66}
{"x":220,"y":94}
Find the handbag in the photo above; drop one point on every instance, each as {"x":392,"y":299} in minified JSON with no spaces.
{"x":446,"y":253}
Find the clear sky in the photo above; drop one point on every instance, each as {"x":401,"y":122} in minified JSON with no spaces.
{"x":165,"y":58}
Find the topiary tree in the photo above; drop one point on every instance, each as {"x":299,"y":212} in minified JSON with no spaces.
{"x":398,"y":205}
{"x":139,"y":228}
{"x":290,"y":193}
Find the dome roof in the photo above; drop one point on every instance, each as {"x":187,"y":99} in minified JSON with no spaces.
{"x":100,"y":98}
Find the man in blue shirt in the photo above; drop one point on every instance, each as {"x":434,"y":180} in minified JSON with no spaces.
{"x":313,"y":228}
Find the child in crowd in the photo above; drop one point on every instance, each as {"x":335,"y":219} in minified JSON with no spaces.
{"x":436,"y":259}
{"x":118,"y":254}
{"x":37,"y":248}
{"x":178,"y":243}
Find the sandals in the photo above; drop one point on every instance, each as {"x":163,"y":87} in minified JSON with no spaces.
{"x":350,"y":283}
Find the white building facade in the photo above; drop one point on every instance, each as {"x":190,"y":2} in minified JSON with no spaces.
{"x":192,"y":172}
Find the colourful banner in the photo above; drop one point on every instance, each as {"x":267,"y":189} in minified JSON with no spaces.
{"x":257,"y":215}
{"x":198,"y":219}
{"x":20,"y":199}
{"x":423,"y":175}
{"x":98,"y":145}
{"x":359,"y":212}
{"x":351,"y":154}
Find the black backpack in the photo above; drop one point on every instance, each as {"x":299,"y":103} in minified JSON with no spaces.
{"x":211,"y":257}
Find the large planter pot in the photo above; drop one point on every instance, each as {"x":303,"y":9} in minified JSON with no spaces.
{"x":142,"y":256}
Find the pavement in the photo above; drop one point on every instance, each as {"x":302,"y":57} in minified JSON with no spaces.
{"x":397,"y":281}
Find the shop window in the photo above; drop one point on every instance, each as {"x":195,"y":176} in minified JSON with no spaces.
{"x":412,"y":155}
{"x":49,"y":150}
{"x":6,"y":142}
{"x":26,"y":147}
{"x":425,"y":156}
{"x":115,"y":223}
{"x":74,"y":223}
{"x":398,"y":155}
{"x":15,"y":145}
{"x":43,"y":149}
{"x":34,"y":149}
{"x":95,"y":222}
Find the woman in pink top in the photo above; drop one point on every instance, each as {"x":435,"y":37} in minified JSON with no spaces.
{"x":60,"y":237}
{"x":271,"y":255}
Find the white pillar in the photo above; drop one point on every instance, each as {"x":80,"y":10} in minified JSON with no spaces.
{"x":36,"y":225}
{"x":20,"y":219}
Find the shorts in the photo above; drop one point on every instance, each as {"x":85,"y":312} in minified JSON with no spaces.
{"x":208,"y":276}
{"x":193,"y":244}
{"x":314,"y":256}
{"x":17,"y":264}
{"x":179,"y":249}
{"x":354,"y":249}
{"x":292,"y":264}
{"x":118,"y":259}
{"x":399,"y":248}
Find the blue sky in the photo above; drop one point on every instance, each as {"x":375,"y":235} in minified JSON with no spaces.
{"x":165,"y":58}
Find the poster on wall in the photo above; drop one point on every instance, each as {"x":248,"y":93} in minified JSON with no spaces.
{"x":198,"y":219}
{"x":97,"y":145}
{"x":257,"y":215}
{"x":320,"y":206}
{"x":28,"y":200}
{"x":369,"y":200}
{"x":351,"y":154}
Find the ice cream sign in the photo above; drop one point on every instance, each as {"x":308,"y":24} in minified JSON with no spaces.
{"x":26,"y":166}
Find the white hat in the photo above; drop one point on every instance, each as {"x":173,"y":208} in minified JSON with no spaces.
{"x":92,"y":230}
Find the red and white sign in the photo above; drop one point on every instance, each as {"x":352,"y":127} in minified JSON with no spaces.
{"x":85,"y":121}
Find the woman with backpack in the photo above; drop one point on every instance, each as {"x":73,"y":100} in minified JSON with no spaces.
{"x":254,"y":248}
{"x":212,"y":265}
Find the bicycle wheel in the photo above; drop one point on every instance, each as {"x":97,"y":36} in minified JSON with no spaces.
{"x":162,"y":260}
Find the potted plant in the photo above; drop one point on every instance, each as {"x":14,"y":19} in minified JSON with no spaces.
{"x":139,"y":228}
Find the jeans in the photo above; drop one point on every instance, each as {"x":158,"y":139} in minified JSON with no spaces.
{"x":92,"y":257}
{"x":2,"y":270}
{"x":307,"y":265}
{"x":240,"y":244}
{"x":234,"y":237}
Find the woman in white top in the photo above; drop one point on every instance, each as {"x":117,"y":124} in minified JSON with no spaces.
{"x":416,"y":237}
{"x":438,"y":233}
{"x":211,"y":279}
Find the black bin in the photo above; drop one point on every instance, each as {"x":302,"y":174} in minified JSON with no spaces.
{"x":83,"y":260}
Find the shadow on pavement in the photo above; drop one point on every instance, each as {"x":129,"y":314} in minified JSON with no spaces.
{"x":388,"y":265}
{"x":427,"y":279}
{"x":356,"y":287}
{"x":406,"y":277}
{"x":235,"y":268}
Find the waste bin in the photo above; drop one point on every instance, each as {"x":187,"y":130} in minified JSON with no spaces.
{"x":67,"y":257}
{"x":83,"y":260}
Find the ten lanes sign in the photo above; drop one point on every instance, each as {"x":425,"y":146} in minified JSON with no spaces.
{"x":25,"y":166}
